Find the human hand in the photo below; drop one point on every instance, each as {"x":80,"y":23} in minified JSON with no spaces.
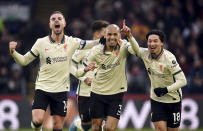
{"x":88,"y":81}
{"x":12,"y":46}
{"x":89,"y":67}
{"x":160,"y":91}
{"x":126,"y":30}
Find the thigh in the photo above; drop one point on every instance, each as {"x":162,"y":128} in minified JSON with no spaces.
{"x":174,"y":115}
{"x":97,"y":109}
{"x":115,"y":105}
{"x":84,"y":108}
{"x":58,"y":105}
{"x":41,"y":100}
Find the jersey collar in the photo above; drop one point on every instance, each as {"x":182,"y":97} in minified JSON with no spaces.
{"x":158,"y":56}
{"x":53,"y":41}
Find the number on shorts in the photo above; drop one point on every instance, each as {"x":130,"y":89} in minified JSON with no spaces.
{"x":176,"y":117}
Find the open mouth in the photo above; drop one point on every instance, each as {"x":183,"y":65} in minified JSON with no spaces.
{"x":57,"y":26}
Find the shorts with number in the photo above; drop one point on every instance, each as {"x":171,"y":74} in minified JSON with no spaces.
{"x":56,"y":101}
{"x":169,"y":112}
{"x":84,"y":108}
{"x":106,"y":105}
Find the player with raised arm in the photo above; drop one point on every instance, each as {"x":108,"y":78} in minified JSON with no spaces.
{"x":83,"y":90}
{"x":52,"y":84}
{"x":166,"y":78}
{"x":109,"y":82}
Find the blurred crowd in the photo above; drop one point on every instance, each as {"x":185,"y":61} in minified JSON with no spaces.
{"x":181,"y":20}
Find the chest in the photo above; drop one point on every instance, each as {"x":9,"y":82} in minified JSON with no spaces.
{"x":156,"y":67}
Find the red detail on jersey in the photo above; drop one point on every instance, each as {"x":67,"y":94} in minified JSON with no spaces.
{"x":102,"y":58}
{"x":65,"y":47}
{"x":117,"y":52}
{"x":161,"y":67}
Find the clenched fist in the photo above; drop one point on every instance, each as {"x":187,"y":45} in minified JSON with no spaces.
{"x":12,"y":46}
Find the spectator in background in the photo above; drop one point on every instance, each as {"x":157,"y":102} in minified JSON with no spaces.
{"x":195,"y":77}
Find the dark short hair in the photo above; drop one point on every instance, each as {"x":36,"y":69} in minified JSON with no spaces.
{"x":98,"y":25}
{"x":160,"y":33}
{"x":57,"y":12}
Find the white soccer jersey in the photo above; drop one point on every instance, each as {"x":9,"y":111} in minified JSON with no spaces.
{"x":55,"y":61}
{"x":110,"y":77}
{"x":163,"y":71}
{"x":78,"y":58}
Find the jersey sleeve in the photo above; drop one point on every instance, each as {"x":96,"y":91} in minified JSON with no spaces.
{"x":178,"y":75}
{"x":90,"y":57}
{"x":78,"y":56}
{"x":133,"y":47}
{"x":85,"y":44}
{"x":77,"y":72}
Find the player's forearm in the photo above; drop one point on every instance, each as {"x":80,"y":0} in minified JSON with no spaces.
{"x":82,"y":78}
{"x":180,"y":81}
{"x":22,"y":59}
{"x":135,"y":45}
{"x":90,"y":43}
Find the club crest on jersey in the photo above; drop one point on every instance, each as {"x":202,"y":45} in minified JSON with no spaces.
{"x":117,"y":52}
{"x":65,"y":47}
{"x":161,"y":67}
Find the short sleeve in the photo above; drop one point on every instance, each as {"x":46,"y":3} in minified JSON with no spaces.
{"x":35,"y":49}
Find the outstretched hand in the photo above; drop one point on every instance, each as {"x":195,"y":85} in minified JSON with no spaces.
{"x":126,"y":30}
{"x":89,"y":67}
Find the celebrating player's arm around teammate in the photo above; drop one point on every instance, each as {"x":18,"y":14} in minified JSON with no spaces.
{"x":109,"y":82}
{"x":83,"y":89}
{"x":55,"y":54}
{"x":166,"y":78}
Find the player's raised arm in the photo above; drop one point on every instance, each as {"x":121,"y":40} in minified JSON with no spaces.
{"x":20,"y":59}
{"x":126,"y":31}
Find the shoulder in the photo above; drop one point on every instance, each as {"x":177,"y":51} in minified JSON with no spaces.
{"x":70,"y":38}
{"x":168,"y":55}
{"x":41,"y":41}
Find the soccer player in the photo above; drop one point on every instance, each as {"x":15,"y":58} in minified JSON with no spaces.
{"x":83,"y":90}
{"x":109,"y":82}
{"x":166,"y":77}
{"x":55,"y":54}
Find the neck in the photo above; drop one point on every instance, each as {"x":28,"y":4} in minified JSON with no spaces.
{"x":155,"y":55}
{"x":110,"y":48}
{"x":57,"y":37}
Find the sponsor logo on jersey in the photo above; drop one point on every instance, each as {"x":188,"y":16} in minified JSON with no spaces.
{"x":105,"y":67}
{"x":55,"y":59}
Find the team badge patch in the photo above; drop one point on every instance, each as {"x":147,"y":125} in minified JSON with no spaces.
{"x":161,"y":67}
{"x":65,"y":47}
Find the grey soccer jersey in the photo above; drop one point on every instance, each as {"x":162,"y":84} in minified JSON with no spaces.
{"x":110,"y":77}
{"x":163,"y":71}
{"x":55,"y":61}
